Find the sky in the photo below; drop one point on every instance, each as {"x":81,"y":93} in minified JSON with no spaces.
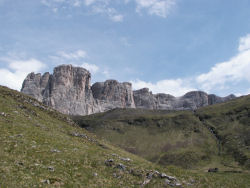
{"x":169,"y":46}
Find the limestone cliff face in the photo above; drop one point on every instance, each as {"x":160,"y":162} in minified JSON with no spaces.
{"x":35,"y":85}
{"x":143,"y":98}
{"x":69,"y":91}
{"x":190,"y":101}
{"x":112,"y":94}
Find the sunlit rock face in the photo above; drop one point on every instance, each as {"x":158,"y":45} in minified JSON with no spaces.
{"x":69,"y":91}
{"x":112,"y":94}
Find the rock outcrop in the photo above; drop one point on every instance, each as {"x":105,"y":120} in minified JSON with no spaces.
{"x":190,"y":101}
{"x":69,"y":91}
{"x":112,"y":94}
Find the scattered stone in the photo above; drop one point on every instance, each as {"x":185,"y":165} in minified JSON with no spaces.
{"x":135,"y":172}
{"x":125,"y":159}
{"x":149,"y":175}
{"x":79,"y":135}
{"x":55,"y":151}
{"x":3,"y":114}
{"x":45,"y":181}
{"x":146,"y":181}
{"x":121,"y":166}
{"x":167,"y":182}
{"x":213,"y":170}
{"x":178,"y":184}
{"x":109,"y":162}
{"x":20,"y":163}
{"x":156,"y":174}
{"x":19,"y":135}
{"x":163,"y":175}
{"x":51,"y":168}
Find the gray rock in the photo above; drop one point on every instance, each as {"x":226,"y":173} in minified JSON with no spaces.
{"x":143,"y":98}
{"x":68,"y":90}
{"x":190,"y":101}
{"x":112,"y":94}
{"x":51,"y":168}
{"x":121,"y":166}
{"x":109,"y":162}
{"x":3,"y":114}
{"x":213,"y":170}
{"x":55,"y":151}
{"x":146,"y":181}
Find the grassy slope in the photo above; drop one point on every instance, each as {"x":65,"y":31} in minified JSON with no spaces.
{"x":166,"y":138}
{"x":215,"y":136}
{"x":31,"y":135}
{"x":230,"y":122}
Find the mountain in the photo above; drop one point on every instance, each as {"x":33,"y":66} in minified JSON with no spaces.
{"x":41,"y":147}
{"x":212,"y":136}
{"x":68,"y":90}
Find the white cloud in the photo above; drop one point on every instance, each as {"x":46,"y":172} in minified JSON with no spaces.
{"x":244,"y":43}
{"x":116,"y":18}
{"x":155,"y":7}
{"x":79,"y":54}
{"x":233,"y":71}
{"x":90,"y":67}
{"x":106,"y":7}
{"x":224,"y":75}
{"x":17,"y":70}
{"x":89,"y":2}
{"x":176,"y":87}
{"x":110,"y":12}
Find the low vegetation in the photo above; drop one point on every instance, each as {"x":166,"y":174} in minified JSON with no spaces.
{"x":40,"y":147}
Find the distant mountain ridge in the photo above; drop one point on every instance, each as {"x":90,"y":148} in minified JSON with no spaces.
{"x":69,"y":91}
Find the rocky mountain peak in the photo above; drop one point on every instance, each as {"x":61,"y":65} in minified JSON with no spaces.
{"x":69,"y":91}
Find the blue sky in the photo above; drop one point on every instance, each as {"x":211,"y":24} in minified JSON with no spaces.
{"x":170,"y":46}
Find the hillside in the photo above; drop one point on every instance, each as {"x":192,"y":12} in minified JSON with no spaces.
{"x":214,"y":136}
{"x":40,"y":147}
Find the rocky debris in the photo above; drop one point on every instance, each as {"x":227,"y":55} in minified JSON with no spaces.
{"x":53,"y":181}
{"x":3,"y":114}
{"x":45,"y":181}
{"x":79,"y":135}
{"x":55,"y":151}
{"x":146,"y":181}
{"x":147,"y":175}
{"x":213,"y":170}
{"x":121,"y":166}
{"x":112,"y":94}
{"x":125,"y":159}
{"x":51,"y":168}
{"x":109,"y":162}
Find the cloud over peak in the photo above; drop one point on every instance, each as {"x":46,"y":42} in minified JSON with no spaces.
{"x":17,"y":70}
